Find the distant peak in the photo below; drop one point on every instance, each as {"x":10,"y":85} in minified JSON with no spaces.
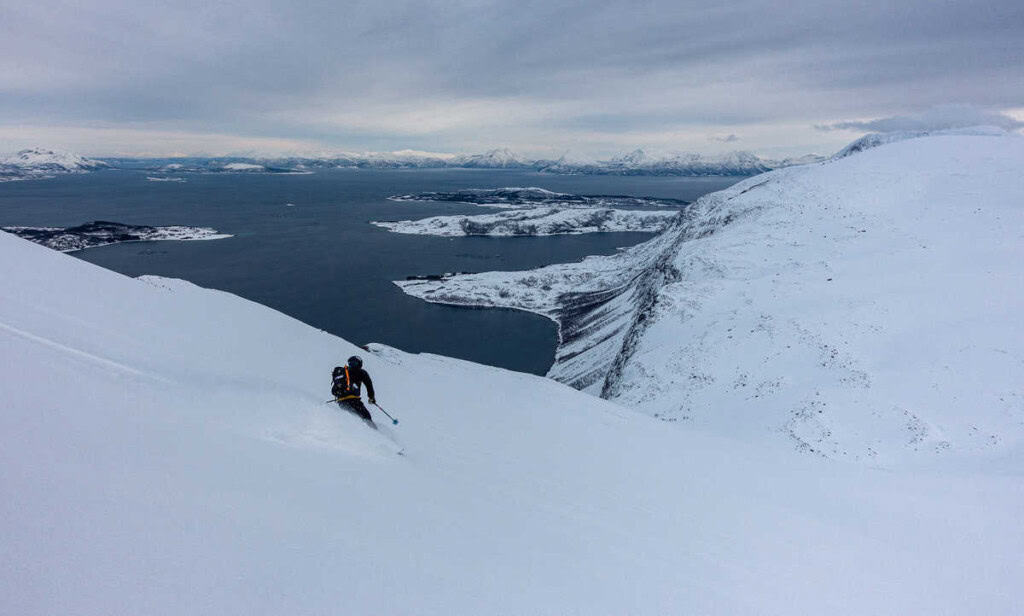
{"x":635,"y":157}
{"x":51,"y":160}
{"x":496,"y":158}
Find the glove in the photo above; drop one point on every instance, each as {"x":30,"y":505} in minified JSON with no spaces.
{"x":372,"y":401}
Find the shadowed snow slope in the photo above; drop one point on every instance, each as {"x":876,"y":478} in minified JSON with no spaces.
{"x":166,"y":450}
{"x":868,"y":308}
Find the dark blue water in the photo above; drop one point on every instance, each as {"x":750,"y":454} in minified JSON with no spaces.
{"x":321,"y":262}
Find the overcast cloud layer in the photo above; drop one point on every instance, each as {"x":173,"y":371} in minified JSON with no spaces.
{"x":591,"y":78}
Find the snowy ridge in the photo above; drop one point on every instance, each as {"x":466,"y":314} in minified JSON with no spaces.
{"x":814,"y":303}
{"x":196,"y":470}
{"x":501,"y":158}
{"x":874,"y":140}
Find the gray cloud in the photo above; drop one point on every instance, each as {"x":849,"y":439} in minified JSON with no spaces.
{"x":459,"y":73}
{"x":730,"y":138}
{"x":935,"y":118}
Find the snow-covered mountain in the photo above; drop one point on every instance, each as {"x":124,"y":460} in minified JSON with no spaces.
{"x":501,"y":158}
{"x":57,"y":161}
{"x":362,"y":160}
{"x":40,"y":163}
{"x":865,"y":309}
{"x":633,"y":163}
{"x":37,"y":163}
{"x":638,"y":162}
{"x":166,"y":449}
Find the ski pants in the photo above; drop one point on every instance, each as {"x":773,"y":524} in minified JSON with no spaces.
{"x":355,"y":405}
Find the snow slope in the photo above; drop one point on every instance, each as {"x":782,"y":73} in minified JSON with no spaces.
{"x":867,"y":308}
{"x":166,"y":451}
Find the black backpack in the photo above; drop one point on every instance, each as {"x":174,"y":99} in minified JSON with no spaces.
{"x":344,"y":386}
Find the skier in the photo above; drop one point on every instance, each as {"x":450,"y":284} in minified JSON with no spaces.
{"x":347,"y":388}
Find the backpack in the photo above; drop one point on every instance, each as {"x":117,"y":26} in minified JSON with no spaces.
{"x":344,"y":386}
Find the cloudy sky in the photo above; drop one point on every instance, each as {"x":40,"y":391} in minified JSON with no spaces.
{"x":590,"y":78}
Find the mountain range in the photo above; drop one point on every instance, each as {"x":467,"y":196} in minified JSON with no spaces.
{"x":37,"y":163}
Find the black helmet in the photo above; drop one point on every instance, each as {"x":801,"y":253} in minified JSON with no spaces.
{"x":355,"y":362}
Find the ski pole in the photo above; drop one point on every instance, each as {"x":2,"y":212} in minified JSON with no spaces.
{"x":393,"y":420}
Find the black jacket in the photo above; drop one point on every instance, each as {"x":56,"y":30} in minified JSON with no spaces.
{"x":349,"y":382}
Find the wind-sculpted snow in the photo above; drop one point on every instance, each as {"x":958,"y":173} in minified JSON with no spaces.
{"x":866,"y":309}
{"x":535,"y":222}
{"x":532,"y":196}
{"x":103,"y":233}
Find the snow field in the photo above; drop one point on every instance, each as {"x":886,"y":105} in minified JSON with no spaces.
{"x":167,"y":451}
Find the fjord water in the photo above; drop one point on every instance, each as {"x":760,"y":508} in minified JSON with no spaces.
{"x":320,"y":261}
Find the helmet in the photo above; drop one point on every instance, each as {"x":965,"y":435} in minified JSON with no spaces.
{"x":355,"y":362}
